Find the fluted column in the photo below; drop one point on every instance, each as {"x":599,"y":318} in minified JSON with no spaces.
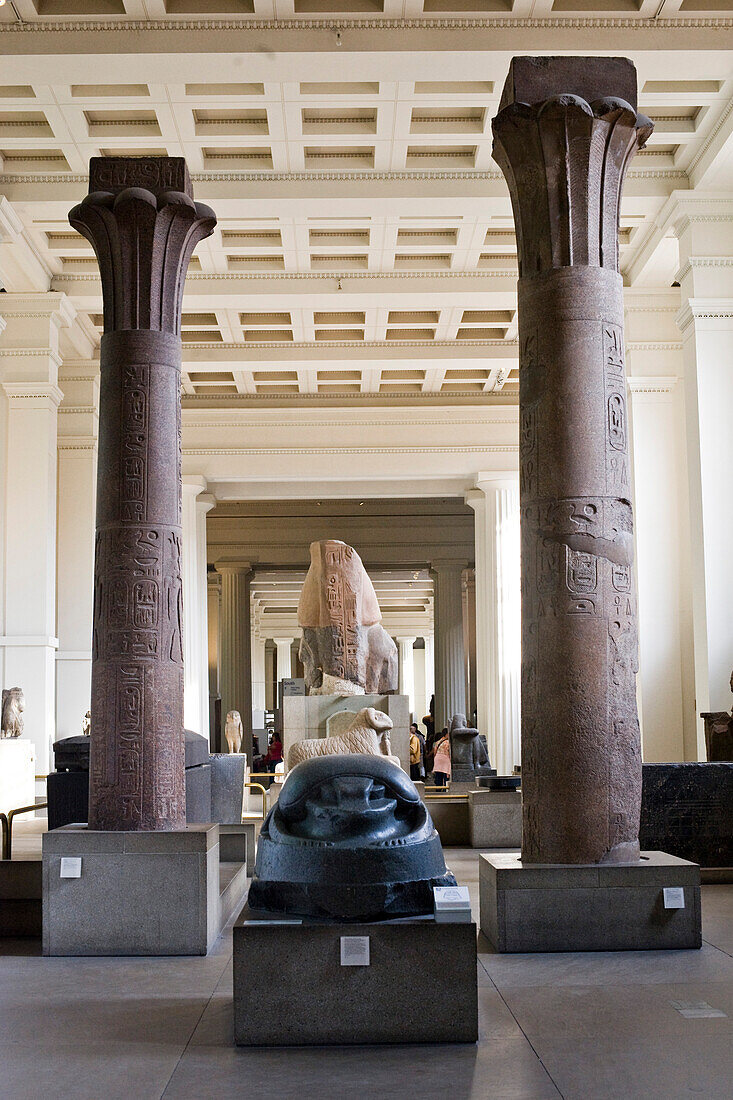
{"x":495,"y":500}
{"x":235,"y":677}
{"x":258,"y":681}
{"x":29,"y":401}
{"x":196,"y":503}
{"x":407,"y":670}
{"x":565,"y":133}
{"x":450,"y":660}
{"x":429,"y":640}
{"x":144,"y":225}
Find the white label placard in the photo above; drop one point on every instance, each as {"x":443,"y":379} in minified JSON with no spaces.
{"x":674,"y":897}
{"x":355,"y":951}
{"x":451,"y":897}
{"x":71,"y":867}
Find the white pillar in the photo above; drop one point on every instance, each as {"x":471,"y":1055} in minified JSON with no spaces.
{"x":258,"y":682}
{"x":29,"y":362}
{"x":78,"y":423}
{"x":196,"y":503}
{"x":704,"y":225}
{"x":284,"y":646}
{"x":407,"y":670}
{"x":429,"y":640}
{"x":495,"y":502}
{"x":421,"y":702}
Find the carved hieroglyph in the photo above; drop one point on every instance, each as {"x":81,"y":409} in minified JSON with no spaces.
{"x":143,"y":223}
{"x":342,"y":634}
{"x":13,"y":705}
{"x":565,"y":133}
{"x":368,"y":733}
{"x":233,"y":731}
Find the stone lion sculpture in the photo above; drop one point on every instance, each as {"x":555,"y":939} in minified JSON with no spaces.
{"x":233,"y":731}
{"x":13,"y":705}
{"x":368,"y":734}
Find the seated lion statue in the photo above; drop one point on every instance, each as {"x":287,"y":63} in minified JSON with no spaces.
{"x":368,"y":734}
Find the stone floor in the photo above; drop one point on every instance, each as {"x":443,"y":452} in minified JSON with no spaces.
{"x":576,"y":1026}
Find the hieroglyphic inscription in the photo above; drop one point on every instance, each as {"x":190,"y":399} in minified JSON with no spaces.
{"x":156,"y":174}
{"x":341,"y":603}
{"x":135,"y":415}
{"x":615,"y":399}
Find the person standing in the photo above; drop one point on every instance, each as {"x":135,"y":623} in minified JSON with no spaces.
{"x":415,"y":754}
{"x":441,"y":760}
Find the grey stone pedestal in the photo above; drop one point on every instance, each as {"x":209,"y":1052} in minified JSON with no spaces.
{"x":588,"y":907}
{"x":138,"y":893}
{"x":495,"y":819}
{"x":419,"y":987}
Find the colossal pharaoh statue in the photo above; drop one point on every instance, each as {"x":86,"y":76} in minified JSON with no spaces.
{"x":344,"y":649}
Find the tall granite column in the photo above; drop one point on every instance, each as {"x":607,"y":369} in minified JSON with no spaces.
{"x":235,"y":639}
{"x":144,"y":225}
{"x":565,"y":133}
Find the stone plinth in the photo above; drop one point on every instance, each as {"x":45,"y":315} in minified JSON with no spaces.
{"x":17,"y":773}
{"x":306,"y":716}
{"x":495,"y":819}
{"x":139,"y":893}
{"x":450,"y":817}
{"x":398,"y":998}
{"x":607,"y":907}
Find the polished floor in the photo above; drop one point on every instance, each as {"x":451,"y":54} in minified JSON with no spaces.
{"x":575,"y":1026}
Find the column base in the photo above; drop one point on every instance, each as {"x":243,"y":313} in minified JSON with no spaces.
{"x":588,"y":907}
{"x":146,"y":893}
{"x":394,"y":999}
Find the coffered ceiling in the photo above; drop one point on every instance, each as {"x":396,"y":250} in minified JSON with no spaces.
{"x":365,"y":247}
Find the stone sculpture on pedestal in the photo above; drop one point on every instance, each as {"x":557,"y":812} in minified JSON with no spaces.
{"x":340,"y":617}
{"x":233,"y":731}
{"x":565,"y":134}
{"x":349,"y":838}
{"x":13,"y":705}
{"x":469,"y":757}
{"x":368,"y":733}
{"x":143,"y":223}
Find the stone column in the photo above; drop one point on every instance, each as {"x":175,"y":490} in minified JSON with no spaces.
{"x":450,"y":661}
{"x":144,"y":225}
{"x":196,"y":503}
{"x":407,"y":670}
{"x":258,"y":681}
{"x":565,"y":133}
{"x":429,"y":640}
{"x":235,"y":677}
{"x":495,"y":501}
{"x":29,"y":400}
{"x":78,"y":432}
{"x":704,"y":227}
{"x":284,"y":647}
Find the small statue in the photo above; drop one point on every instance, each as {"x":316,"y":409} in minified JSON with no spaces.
{"x":13,"y":706}
{"x":348,"y":839}
{"x":86,"y":724}
{"x":367,"y":734}
{"x":233,"y":731}
{"x":343,"y":636}
{"x":469,"y":757}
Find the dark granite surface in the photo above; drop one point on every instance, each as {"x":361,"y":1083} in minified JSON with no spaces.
{"x":687,"y":810}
